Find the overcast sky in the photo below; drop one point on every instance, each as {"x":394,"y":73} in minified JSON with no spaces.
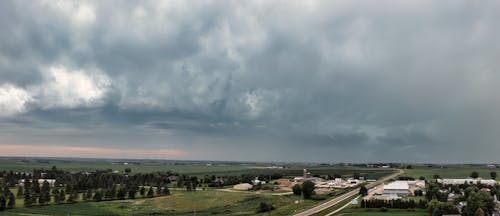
{"x":329,"y":81}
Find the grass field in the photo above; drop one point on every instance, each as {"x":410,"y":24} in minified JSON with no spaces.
{"x":377,"y":212}
{"x":220,"y":169}
{"x":179,"y":203}
{"x":454,"y":171}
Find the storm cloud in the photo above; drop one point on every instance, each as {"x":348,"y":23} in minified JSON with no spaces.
{"x":331,"y":81}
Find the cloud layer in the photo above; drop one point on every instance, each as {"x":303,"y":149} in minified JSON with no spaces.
{"x":255,"y":80}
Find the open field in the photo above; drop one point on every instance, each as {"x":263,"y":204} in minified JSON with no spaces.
{"x":179,"y":203}
{"x":453,"y":171}
{"x":377,"y":212}
{"x":198,"y":169}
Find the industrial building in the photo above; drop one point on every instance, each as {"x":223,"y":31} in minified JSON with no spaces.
{"x":399,"y":188}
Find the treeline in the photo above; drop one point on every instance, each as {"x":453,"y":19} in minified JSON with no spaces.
{"x":100,"y":185}
{"x":221,"y":181}
{"x":397,"y":204}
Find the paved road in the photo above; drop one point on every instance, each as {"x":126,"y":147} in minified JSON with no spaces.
{"x":341,"y":208}
{"x":345,"y":196}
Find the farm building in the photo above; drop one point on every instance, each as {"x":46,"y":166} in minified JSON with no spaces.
{"x":400,"y":188}
{"x":256,"y":181}
{"x":243,"y":186}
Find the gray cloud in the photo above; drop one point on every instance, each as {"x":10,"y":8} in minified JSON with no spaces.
{"x":316,"y":80}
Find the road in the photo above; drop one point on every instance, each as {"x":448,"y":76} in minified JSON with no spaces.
{"x":345,"y":196}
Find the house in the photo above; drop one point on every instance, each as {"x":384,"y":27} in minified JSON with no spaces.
{"x":399,"y":188}
{"x":172,"y":178}
{"x":256,"y":181}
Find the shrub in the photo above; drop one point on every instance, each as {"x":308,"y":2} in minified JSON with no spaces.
{"x":265,"y":207}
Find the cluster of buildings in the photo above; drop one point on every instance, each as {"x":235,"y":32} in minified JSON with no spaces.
{"x":306,"y":176}
{"x":340,"y":183}
{"x":399,"y":189}
{"x":322,"y":183}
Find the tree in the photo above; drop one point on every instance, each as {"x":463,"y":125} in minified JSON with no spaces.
{"x":356,"y":175}
{"x":62,"y":196}
{"x":20,"y":191}
{"x":12,"y":201}
{"x":44,"y":193}
{"x":142,"y":192}
{"x":166,"y":191}
{"x":3,"y":202}
{"x":128,"y":170}
{"x":481,"y":200}
{"x":121,"y":193}
{"x":131,"y":193}
{"x":363,"y":191}
{"x":308,"y":189}
{"x":28,"y":200}
{"x":150,"y":192}
{"x":493,"y":175}
{"x":265,"y":207}
{"x":474,"y":174}
{"x":437,"y":212}
{"x":297,"y":189}
{"x":479,"y":212}
{"x":97,"y":196}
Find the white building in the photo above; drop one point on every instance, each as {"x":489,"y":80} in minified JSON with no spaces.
{"x":399,"y":188}
{"x":40,"y":182}
{"x":256,"y":181}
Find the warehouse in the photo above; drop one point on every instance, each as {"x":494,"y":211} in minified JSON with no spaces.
{"x":400,"y":188}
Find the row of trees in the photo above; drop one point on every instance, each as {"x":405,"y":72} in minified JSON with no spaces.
{"x":475,"y":174}
{"x":397,"y":203}
{"x":7,"y":199}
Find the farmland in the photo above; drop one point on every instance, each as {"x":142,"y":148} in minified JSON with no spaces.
{"x":204,"y":201}
{"x":179,"y":203}
{"x":208,"y":200}
{"x":450,"y":171}
{"x":195,"y":168}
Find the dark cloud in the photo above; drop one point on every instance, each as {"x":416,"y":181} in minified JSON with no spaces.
{"x":276,"y":80}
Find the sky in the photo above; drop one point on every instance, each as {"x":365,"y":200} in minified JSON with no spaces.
{"x":306,"y":81}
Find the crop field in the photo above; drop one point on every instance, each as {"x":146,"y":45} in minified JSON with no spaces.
{"x":179,"y":203}
{"x":198,"y":169}
{"x":454,"y":171}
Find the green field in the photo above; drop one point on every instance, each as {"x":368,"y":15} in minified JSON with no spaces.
{"x":199,"y":169}
{"x":179,"y":203}
{"x":454,"y":171}
{"x":377,"y":212}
